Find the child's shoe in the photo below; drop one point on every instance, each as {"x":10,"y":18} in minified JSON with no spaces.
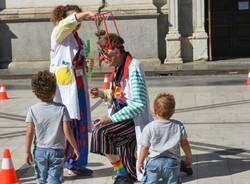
{"x":187,"y":170}
{"x":122,"y":180}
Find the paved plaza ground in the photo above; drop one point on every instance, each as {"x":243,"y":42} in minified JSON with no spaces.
{"x":215,"y":111}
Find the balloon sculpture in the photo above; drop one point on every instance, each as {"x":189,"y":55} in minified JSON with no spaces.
{"x":102,"y":31}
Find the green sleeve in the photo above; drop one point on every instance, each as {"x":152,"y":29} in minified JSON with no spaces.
{"x":137,"y":103}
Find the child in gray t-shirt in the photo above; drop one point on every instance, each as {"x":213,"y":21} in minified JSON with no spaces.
{"x":160,"y":141}
{"x":50,"y":123}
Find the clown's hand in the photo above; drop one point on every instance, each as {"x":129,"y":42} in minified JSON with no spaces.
{"x":95,"y":93}
{"x":103,"y":121}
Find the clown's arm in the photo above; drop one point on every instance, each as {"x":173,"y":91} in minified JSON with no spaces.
{"x":137,"y":103}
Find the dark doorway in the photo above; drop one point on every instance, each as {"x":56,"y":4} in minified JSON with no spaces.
{"x":230,"y":28}
{"x":2,"y":4}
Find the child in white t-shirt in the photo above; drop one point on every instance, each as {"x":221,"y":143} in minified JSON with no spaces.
{"x":161,"y":140}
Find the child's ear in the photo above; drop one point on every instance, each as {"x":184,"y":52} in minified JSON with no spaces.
{"x":155,"y":112}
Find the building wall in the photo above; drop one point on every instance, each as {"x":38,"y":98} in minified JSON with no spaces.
{"x":86,"y":3}
{"x":194,"y":46}
{"x":30,"y":41}
{"x":25,"y":29}
{"x":186,"y":29}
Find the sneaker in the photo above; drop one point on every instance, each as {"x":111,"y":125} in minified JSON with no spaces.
{"x":85,"y":169}
{"x":187,"y":170}
{"x":83,"y":172}
{"x":122,"y":180}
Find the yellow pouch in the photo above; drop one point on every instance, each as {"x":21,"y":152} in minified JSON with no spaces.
{"x":64,"y":76}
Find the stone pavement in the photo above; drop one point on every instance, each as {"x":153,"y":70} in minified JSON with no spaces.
{"x":216,"y":117}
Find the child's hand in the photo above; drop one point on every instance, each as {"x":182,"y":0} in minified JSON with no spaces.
{"x":140,"y":167}
{"x":77,"y":154}
{"x":29,"y":158}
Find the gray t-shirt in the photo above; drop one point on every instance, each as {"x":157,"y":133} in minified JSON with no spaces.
{"x":162,"y":137}
{"x":48,"y":121}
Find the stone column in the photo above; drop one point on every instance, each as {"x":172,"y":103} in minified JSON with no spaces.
{"x":199,"y":38}
{"x":173,"y":37}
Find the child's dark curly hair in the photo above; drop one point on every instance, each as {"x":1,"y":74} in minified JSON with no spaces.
{"x":44,"y":85}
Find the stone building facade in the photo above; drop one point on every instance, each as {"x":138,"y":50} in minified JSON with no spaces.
{"x":155,"y":31}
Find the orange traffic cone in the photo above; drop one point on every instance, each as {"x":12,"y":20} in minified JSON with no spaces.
{"x":8,"y":173}
{"x":106,"y":82}
{"x":3,"y":93}
{"x":248,"y":78}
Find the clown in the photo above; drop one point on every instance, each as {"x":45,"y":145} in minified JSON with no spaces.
{"x":69,"y":64}
{"x":116,"y":135}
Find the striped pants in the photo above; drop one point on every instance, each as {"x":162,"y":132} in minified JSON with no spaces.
{"x":117,"y":139}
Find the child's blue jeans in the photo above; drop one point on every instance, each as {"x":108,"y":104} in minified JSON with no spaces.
{"x":49,"y":165}
{"x":163,"y":167}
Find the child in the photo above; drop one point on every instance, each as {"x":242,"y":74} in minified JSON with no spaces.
{"x":160,"y":142}
{"x":50,"y":122}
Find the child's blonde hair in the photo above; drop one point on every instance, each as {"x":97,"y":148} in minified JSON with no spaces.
{"x":164,"y":105}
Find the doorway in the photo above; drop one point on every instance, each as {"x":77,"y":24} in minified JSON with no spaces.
{"x":230,"y":28}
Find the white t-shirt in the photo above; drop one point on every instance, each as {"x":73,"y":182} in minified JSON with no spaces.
{"x":162,"y":137}
{"x":48,"y":121}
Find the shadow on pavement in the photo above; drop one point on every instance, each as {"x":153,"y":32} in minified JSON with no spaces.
{"x":14,"y":117}
{"x":220,"y":161}
{"x":9,"y":127}
{"x":12,"y":134}
{"x":96,"y":174}
{"x":212,"y":106}
{"x":26,"y":173}
{"x":218,"y":123}
{"x":95,"y":164}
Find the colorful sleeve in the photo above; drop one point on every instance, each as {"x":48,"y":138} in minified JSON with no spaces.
{"x":65,"y":27}
{"x":137,"y":103}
